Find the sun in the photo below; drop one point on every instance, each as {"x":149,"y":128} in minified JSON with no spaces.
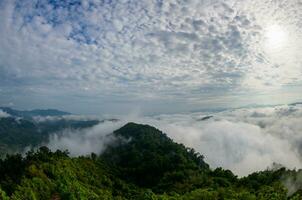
{"x":275,"y":38}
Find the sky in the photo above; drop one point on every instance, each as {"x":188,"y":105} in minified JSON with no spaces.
{"x":149,"y":56}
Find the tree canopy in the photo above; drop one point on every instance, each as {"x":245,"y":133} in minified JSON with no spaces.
{"x":142,"y":164}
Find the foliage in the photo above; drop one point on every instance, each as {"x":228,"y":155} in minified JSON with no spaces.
{"x":143,"y":164}
{"x":144,"y":151}
{"x":18,"y":133}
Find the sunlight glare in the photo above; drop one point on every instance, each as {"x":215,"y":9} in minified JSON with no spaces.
{"x":275,"y":38}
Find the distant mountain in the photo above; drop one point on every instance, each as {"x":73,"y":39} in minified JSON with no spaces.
{"x":16,"y":134}
{"x":20,"y":129}
{"x":209,"y":110}
{"x":296,"y":103}
{"x":33,"y":113}
{"x":205,"y":118}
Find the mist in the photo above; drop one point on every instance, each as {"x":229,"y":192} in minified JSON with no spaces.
{"x":3,"y":114}
{"x":242,"y":140}
{"x":84,"y":141}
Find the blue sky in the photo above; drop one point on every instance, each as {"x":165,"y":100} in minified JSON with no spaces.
{"x":149,"y":56}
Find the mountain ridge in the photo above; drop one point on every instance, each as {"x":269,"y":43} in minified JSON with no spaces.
{"x":34,"y":112}
{"x":43,"y":174}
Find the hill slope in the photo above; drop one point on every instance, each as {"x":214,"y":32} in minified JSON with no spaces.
{"x":144,"y":151}
{"x":32,"y":113}
{"x":143,"y":164}
{"x":19,"y":129}
{"x":18,"y":133}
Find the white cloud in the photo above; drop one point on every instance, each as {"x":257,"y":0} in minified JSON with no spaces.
{"x":243,"y":140}
{"x":131,"y":50}
{"x":67,"y":118}
{"x":85,"y":141}
{"x":3,"y":114}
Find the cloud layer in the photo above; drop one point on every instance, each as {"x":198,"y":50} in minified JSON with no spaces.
{"x":84,"y":141}
{"x":3,"y":114}
{"x":243,"y":140}
{"x":119,"y":54}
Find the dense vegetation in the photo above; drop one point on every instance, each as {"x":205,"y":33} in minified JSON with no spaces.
{"x":143,"y":163}
{"x":16,"y":134}
{"x":21,"y":130}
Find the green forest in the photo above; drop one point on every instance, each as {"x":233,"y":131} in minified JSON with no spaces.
{"x":142,"y":164}
{"x":17,"y":133}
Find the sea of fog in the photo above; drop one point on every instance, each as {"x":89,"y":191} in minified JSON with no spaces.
{"x":243,"y":140}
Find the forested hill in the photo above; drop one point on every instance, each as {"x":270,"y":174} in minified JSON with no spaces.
{"x":142,"y":163}
{"x":21,"y":129}
{"x":33,"y":113}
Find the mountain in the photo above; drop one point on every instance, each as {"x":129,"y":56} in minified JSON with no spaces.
{"x":205,"y":118}
{"x":143,"y":163}
{"x":144,"y":151}
{"x":16,"y":134}
{"x":296,"y":103}
{"x":33,"y":113}
{"x":19,"y":133}
{"x":20,"y":129}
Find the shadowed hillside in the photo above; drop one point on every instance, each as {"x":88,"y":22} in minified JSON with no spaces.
{"x":19,"y":129}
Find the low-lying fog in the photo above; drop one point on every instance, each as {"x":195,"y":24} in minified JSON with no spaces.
{"x":243,"y":140}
